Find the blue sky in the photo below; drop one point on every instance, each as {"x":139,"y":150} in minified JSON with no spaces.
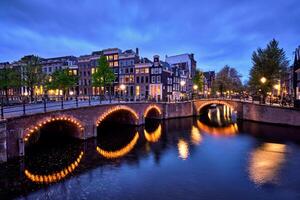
{"x":218,"y":32}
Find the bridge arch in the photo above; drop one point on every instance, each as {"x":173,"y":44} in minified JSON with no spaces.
{"x":131,"y":113}
{"x":153,"y":111}
{"x":211,"y":102}
{"x":52,"y":119}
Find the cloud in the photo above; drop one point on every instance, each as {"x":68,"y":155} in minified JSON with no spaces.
{"x":218,"y":32}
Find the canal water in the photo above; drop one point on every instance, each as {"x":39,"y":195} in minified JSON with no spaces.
{"x":210,"y":157}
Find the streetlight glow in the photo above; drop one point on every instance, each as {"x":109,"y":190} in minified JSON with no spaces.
{"x":182,"y":83}
{"x":122,"y":87}
{"x":263,"y":80}
{"x":195,"y":87}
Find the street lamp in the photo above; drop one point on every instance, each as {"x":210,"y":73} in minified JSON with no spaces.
{"x":263,"y":80}
{"x":195,"y":87}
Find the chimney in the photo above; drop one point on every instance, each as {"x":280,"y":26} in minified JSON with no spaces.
{"x":137,"y":51}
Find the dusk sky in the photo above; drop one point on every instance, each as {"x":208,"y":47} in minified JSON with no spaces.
{"x":218,"y":32}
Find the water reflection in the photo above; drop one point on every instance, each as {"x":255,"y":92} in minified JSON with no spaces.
{"x":183,"y":149}
{"x":265,"y":163}
{"x":153,"y":136}
{"x":56,"y":176}
{"x":195,"y":135}
{"x":120,"y":152}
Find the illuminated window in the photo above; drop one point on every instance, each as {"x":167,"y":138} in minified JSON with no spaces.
{"x":111,"y":64}
{"x":137,"y":71}
{"x":116,"y":57}
{"x":137,"y":90}
{"x":147,"y":70}
{"x":116,"y":64}
{"x":110,"y":57}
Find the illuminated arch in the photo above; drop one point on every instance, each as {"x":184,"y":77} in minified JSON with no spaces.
{"x":114,"y":109}
{"x":230,"y":130}
{"x":56,"y":176}
{"x":215,"y":102}
{"x":30,"y":131}
{"x":121,"y":152}
{"x":154,"y":136}
{"x":150,"y":108}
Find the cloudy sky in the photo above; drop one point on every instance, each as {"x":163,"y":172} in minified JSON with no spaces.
{"x":218,"y":32}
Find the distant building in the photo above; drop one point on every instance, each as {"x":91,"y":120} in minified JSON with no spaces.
{"x":50,"y":65}
{"x":296,"y":77}
{"x":142,"y":79}
{"x":127,"y":61}
{"x":187,"y":66}
{"x":160,"y":80}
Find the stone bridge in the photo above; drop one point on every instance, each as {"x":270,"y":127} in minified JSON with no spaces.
{"x":16,"y":131}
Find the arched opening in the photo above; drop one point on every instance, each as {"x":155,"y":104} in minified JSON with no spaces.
{"x":117,"y":132}
{"x":217,"y":114}
{"x":52,"y":149}
{"x":118,"y":115}
{"x":152,"y":112}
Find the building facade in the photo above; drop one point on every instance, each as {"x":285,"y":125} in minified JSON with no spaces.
{"x":296,"y":78}
{"x":142,"y":79}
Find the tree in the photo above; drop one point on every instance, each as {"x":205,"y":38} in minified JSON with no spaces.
{"x":199,"y":80}
{"x":9,"y":79}
{"x":270,"y":63}
{"x":32,"y":74}
{"x":103,"y":75}
{"x":227,"y":79}
{"x":62,"y":80}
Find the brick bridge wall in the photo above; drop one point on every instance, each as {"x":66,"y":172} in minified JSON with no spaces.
{"x":17,"y":130}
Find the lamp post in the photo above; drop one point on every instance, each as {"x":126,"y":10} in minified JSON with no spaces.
{"x":263,"y":80}
{"x":182,"y":84}
{"x":195,"y":87}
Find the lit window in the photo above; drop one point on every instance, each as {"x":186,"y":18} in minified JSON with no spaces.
{"x":137,"y":71}
{"x":116,"y":57}
{"x":147,"y":70}
{"x":116,"y":64}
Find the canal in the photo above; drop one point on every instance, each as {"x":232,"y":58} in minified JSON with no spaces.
{"x":209,"y":157}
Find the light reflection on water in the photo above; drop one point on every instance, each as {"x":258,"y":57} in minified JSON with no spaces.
{"x":173,"y":159}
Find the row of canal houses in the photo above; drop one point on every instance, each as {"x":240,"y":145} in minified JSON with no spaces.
{"x":142,"y":78}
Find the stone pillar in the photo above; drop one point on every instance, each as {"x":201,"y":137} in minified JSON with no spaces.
{"x":90,"y":131}
{"x":21,"y":143}
{"x":3,"y":147}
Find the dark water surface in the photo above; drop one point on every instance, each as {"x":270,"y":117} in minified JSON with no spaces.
{"x":190,"y":158}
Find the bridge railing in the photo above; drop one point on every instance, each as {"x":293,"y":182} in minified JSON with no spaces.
{"x":43,"y":105}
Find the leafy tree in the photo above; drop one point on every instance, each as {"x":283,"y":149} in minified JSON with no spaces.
{"x":32,"y":74}
{"x":9,"y":79}
{"x":103,"y":75}
{"x":227,"y":79}
{"x":199,"y":79}
{"x":270,"y":63}
{"x":62,"y":80}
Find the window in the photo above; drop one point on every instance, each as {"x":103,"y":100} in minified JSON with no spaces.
{"x":116,"y":64}
{"x":50,"y":69}
{"x":137,"y":79}
{"x":142,"y":79}
{"x":137,"y":71}
{"x":146,"y":79}
{"x":147,"y":70}
{"x":116,"y":57}
{"x":126,"y":70}
{"x":131,"y":70}
{"x":158,"y":79}
{"x":153,"y":79}
{"x":111,"y":64}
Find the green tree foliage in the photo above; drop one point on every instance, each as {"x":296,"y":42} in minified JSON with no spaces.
{"x":103,"y":75}
{"x":32,"y":74}
{"x":9,"y":79}
{"x":199,"y":79}
{"x":227,"y":79}
{"x":270,"y":63}
{"x":62,"y":80}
